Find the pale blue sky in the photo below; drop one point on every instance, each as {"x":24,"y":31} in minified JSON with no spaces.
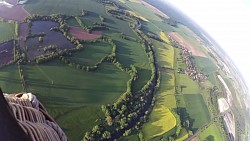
{"x":228,"y":22}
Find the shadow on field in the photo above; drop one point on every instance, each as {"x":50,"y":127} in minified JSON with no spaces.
{"x":124,"y":53}
{"x":7,"y":79}
{"x":186,"y":121}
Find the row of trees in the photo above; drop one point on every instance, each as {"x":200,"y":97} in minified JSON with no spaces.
{"x":22,"y":77}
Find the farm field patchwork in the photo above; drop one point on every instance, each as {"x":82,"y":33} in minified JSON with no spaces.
{"x":73,"y":93}
{"x":59,"y":62}
{"x":75,"y":8}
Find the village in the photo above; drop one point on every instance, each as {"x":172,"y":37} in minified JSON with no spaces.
{"x":191,"y":70}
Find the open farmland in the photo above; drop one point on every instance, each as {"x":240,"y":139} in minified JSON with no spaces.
{"x":84,"y":35}
{"x":71,"y":95}
{"x":12,"y":11}
{"x":7,"y":31}
{"x":205,"y":65}
{"x":143,"y":8}
{"x":197,"y":110}
{"x":10,"y":79}
{"x":132,"y":53}
{"x":92,"y":53}
{"x":6,"y":52}
{"x":185,"y":43}
{"x":36,"y":48}
{"x":188,"y":85}
{"x":75,"y":8}
{"x":160,"y":121}
{"x":211,"y":132}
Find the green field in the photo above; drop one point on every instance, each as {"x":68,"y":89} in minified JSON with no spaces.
{"x":164,"y":54}
{"x":7,"y":31}
{"x":205,"y":65}
{"x":161,"y":120}
{"x":132,"y":53}
{"x":183,"y":135}
{"x":141,"y":9}
{"x":197,"y":110}
{"x":189,"y":86}
{"x":213,"y":132}
{"x":10,"y":79}
{"x":92,"y":53}
{"x":73,"y":97}
{"x":72,"y":22}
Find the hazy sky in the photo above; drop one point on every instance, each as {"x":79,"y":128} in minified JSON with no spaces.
{"x":228,"y":22}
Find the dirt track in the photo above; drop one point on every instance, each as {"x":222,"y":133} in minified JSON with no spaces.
{"x":177,"y":37}
{"x":82,"y":34}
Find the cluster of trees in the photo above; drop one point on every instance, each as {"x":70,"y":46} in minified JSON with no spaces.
{"x":77,"y":65}
{"x":95,"y":26}
{"x":50,"y":48}
{"x":155,"y":37}
{"x":108,"y":58}
{"x":40,"y":36}
{"x":123,"y":36}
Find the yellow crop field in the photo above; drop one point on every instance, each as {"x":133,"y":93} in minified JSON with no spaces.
{"x":164,"y":37}
{"x":161,"y":121}
{"x":183,"y":135}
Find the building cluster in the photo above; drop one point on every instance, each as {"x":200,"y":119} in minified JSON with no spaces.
{"x":191,"y":70}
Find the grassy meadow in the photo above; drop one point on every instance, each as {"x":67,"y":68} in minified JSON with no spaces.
{"x":7,"y":31}
{"x":205,"y":65}
{"x":197,"y":110}
{"x":92,"y":53}
{"x":73,"y":97}
{"x":10,"y":81}
{"x":132,"y":53}
{"x":213,"y":131}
